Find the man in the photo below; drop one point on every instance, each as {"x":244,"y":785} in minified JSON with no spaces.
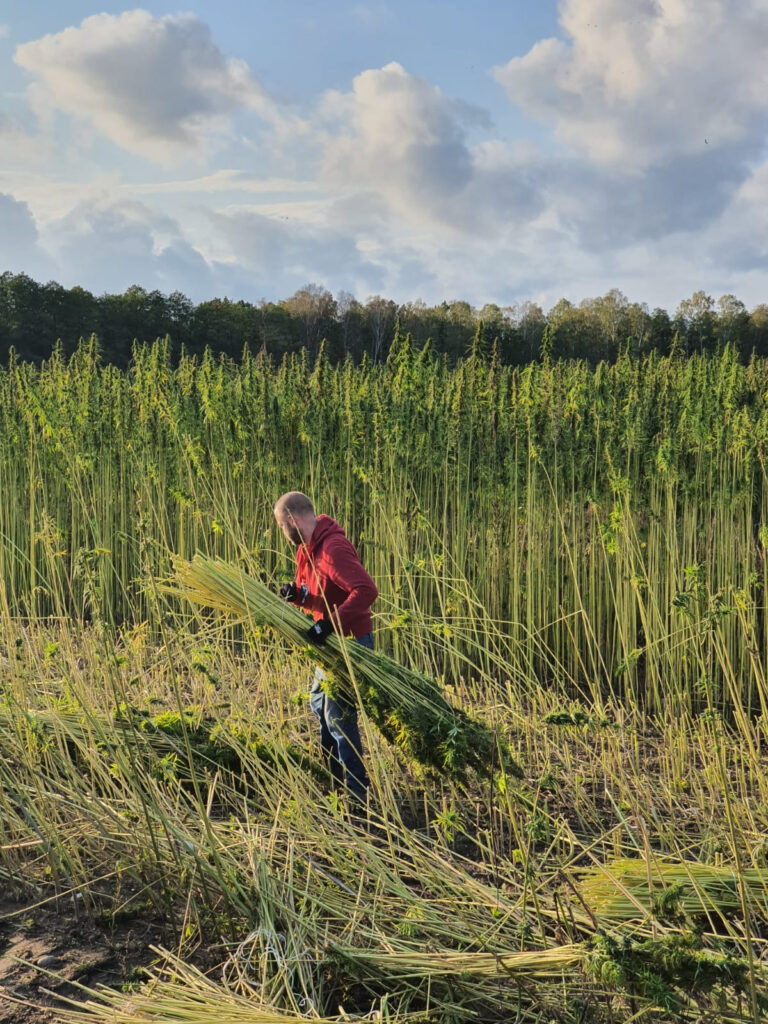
{"x":332,"y":585}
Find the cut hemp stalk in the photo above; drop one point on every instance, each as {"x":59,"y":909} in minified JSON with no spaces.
{"x":408,"y":708}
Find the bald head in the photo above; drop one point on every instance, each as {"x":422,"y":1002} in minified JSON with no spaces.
{"x":295,"y":515}
{"x":293,"y":503}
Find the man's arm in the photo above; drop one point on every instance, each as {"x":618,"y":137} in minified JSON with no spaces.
{"x":346,"y":570}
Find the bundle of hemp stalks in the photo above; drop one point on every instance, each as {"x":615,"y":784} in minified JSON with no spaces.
{"x":629,"y":888}
{"x":407,"y":707}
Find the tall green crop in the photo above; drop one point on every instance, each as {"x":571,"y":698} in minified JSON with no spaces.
{"x":598,"y":524}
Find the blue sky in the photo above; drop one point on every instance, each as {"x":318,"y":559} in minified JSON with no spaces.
{"x":486,"y":151}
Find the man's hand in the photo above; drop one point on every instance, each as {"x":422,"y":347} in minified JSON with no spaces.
{"x":317,"y":633}
{"x":296,"y":595}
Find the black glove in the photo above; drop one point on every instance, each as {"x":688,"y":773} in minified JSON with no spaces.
{"x":317,"y":633}
{"x":297,"y":595}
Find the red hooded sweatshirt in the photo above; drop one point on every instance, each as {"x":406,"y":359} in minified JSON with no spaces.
{"x":330,"y":568}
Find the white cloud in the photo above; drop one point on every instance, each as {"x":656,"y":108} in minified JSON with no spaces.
{"x":5,"y":31}
{"x":400,"y":133}
{"x":660,"y":122}
{"x":228,"y":181}
{"x":108,"y":246}
{"x":642,"y":84}
{"x":400,"y":189}
{"x":17,"y":222}
{"x":288,"y":250}
{"x":19,"y":241}
{"x":737,"y":243}
{"x":19,"y":147}
{"x":355,"y":243}
{"x":398,"y":137}
{"x":305,"y":212}
{"x":158,"y":87}
{"x":52,"y":200}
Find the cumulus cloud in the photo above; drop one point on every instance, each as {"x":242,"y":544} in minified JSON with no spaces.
{"x":108,"y":246}
{"x":157,"y":87}
{"x":400,"y":189}
{"x":607,"y":211}
{"x":660,"y":123}
{"x":280,"y":254}
{"x":17,"y":223}
{"x":642,"y":84}
{"x":8,"y":128}
{"x":19,"y":146}
{"x":738,"y":241}
{"x":19,"y":241}
{"x":228,"y":180}
{"x":397,"y":136}
{"x":400,"y":132}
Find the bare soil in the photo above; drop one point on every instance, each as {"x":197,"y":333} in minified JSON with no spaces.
{"x":45,"y":948}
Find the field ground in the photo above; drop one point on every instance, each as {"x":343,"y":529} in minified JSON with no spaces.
{"x":81,"y":950}
{"x":448,"y":868}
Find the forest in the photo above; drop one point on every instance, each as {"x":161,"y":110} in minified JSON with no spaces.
{"x":34,"y":317}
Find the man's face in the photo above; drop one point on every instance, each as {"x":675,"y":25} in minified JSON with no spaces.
{"x":291,"y":531}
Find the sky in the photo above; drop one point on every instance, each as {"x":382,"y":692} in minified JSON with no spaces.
{"x":417,"y":149}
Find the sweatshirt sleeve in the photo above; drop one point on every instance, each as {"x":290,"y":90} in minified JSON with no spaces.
{"x":346,"y":570}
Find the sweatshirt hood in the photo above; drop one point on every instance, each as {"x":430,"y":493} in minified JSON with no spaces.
{"x":325,"y":528}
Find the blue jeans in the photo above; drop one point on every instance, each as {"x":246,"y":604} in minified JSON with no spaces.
{"x":340,"y":735}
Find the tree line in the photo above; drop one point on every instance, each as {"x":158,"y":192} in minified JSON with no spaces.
{"x":34,"y":317}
